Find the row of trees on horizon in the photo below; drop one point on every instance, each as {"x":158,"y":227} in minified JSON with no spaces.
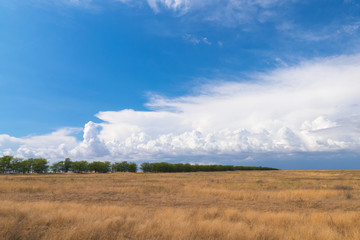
{"x":180,"y":167}
{"x":10,"y":164}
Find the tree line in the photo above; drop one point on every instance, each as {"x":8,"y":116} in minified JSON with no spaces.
{"x":180,"y":167}
{"x":10,"y":164}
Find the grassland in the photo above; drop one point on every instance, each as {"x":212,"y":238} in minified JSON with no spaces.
{"x":216,"y":205}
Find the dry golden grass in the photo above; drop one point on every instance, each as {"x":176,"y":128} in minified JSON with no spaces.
{"x":216,"y":205}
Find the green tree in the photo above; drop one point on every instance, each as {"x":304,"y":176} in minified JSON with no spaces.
{"x":25,"y":166}
{"x":99,"y":167}
{"x":16,"y":165}
{"x":132,"y":167}
{"x":120,"y":167}
{"x":57,"y":167}
{"x":67,"y":165}
{"x":5,"y":164}
{"x":124,"y":167}
{"x":80,"y":166}
{"x":145,"y":167}
{"x":39,"y":165}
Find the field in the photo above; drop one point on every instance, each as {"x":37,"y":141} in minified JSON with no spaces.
{"x":202,"y":205}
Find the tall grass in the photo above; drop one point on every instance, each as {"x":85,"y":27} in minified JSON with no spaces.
{"x":231,"y":205}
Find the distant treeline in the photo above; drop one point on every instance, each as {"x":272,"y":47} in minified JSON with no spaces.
{"x":180,"y":167}
{"x":9,"y":164}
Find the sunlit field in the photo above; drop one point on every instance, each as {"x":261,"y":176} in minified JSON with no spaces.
{"x":203,"y":205}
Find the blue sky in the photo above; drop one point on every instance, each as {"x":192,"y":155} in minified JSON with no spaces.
{"x":181,"y":79}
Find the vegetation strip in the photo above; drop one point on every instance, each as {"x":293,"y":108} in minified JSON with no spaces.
{"x":180,"y":167}
{"x":9,"y":164}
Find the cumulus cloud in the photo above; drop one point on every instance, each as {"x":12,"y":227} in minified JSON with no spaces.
{"x":303,"y":108}
{"x":311,"y":107}
{"x":91,"y":146}
{"x":53,"y":146}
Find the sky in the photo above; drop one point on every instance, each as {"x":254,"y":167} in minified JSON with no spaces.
{"x":264,"y":82}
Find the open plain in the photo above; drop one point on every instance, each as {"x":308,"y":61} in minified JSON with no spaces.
{"x":202,"y":205}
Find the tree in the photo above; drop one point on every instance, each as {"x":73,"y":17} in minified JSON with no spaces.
{"x":145,"y":167}
{"x":67,"y":165}
{"x":99,"y":167}
{"x":25,"y":166}
{"x":132,"y":167}
{"x":5,"y":164}
{"x":124,"y":167}
{"x":79,"y":166}
{"x":57,"y":167}
{"x":16,"y":165}
{"x":39,"y":165}
{"x":120,"y":167}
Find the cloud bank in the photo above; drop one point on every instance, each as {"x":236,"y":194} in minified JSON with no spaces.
{"x":311,"y":107}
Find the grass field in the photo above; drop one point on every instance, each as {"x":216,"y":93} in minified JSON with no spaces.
{"x":203,"y":205}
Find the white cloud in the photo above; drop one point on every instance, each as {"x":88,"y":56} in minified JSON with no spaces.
{"x":91,"y":146}
{"x":233,"y":12}
{"x":53,"y":146}
{"x":186,"y":5}
{"x":176,"y":5}
{"x":206,"y":41}
{"x":312,"y":107}
{"x":227,"y":12}
{"x":352,"y":28}
{"x":196,"y":40}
